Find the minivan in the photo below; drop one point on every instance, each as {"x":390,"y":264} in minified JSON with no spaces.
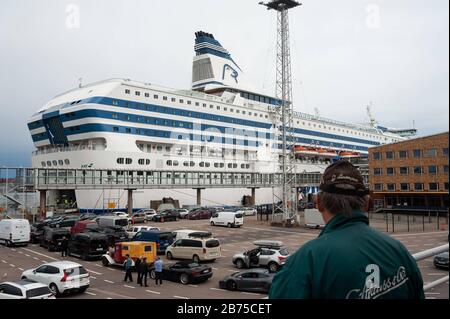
{"x":197,"y":248}
{"x":163,"y":239}
{"x":14,"y":231}
{"x":112,"y":221}
{"x":227,"y":218}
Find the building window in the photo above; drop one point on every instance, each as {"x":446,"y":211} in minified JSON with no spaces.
{"x":115,"y":129}
{"x":147,"y":162}
{"x":433,"y":186}
{"x":189,"y":102}
{"x":147,"y":95}
{"x":446,"y":169}
{"x":67,"y":162}
{"x":403,"y":154}
{"x":418,"y":186}
{"x":197,"y":104}
{"x":404,"y":186}
{"x":138,"y":93}
{"x":127,"y":92}
{"x":60,"y":162}
{"x":417,"y":153}
{"x":141,"y":161}
{"x":377,"y":171}
{"x":164,"y":98}
{"x":377,"y":156}
{"x":445,"y":151}
{"x":128,"y":130}
{"x":391,"y":187}
{"x":120,"y":160}
{"x":403,"y":170}
{"x":173,"y":99}
{"x":169,"y":163}
{"x":432,"y":152}
{"x":378,"y":187}
{"x":446,"y":186}
{"x":175,"y":163}
{"x":389,"y":155}
{"x":417,"y":170}
{"x":128,"y":161}
{"x":432,"y":169}
{"x":390,"y":171}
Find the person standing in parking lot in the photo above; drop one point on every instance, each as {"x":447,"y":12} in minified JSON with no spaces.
{"x":137,"y":266}
{"x":349,"y":259}
{"x":143,"y":271}
{"x":158,"y":271}
{"x":64,"y":247}
{"x":128,"y":265}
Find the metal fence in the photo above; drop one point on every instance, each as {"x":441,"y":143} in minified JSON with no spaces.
{"x":409,"y":221}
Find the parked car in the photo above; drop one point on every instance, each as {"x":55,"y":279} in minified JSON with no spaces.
{"x":165,"y":206}
{"x":25,"y":289}
{"x":36,"y":232}
{"x":184,"y":272}
{"x":149,"y":213}
{"x":259,"y":280}
{"x":60,"y":276}
{"x":183,"y":212}
{"x":136,"y":250}
{"x":133,"y":230}
{"x":84,"y":225}
{"x":199,"y":214}
{"x":268,"y":253}
{"x":247,"y":211}
{"x":14,"y":231}
{"x":88,"y":245}
{"x":441,"y":260}
{"x":163,"y":239}
{"x":166,"y":216}
{"x":52,"y":238}
{"x":197,"y":246}
{"x":138,"y":217}
{"x":227,"y":218}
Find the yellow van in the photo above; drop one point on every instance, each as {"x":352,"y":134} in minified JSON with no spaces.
{"x":135,"y":249}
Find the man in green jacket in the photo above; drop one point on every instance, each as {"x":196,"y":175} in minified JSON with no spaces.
{"x":349,"y":259}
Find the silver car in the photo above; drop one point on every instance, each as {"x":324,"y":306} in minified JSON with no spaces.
{"x":268,"y":253}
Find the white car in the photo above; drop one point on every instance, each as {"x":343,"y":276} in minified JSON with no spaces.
{"x":149,"y":213}
{"x":122,"y":214}
{"x":60,"y":276}
{"x":247,"y":211}
{"x":25,"y":289}
{"x":183,"y":212}
{"x":133,"y":230}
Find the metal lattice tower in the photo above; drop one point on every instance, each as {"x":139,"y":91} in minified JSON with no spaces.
{"x":285,"y":118}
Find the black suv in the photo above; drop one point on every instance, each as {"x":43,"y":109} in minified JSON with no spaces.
{"x":52,"y":237}
{"x":65,"y":221}
{"x":88,"y":245}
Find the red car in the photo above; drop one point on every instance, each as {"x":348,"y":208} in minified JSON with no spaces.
{"x":200,"y":214}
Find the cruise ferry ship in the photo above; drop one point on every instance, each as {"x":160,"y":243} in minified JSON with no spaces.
{"x":221,"y":124}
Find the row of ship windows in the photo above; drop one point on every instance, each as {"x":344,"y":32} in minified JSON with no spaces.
{"x":188,"y":102}
{"x":55,"y":163}
{"x":432,"y":169}
{"x":407,"y":187}
{"x":142,"y":161}
{"x":417,"y":153}
{"x":181,"y":101}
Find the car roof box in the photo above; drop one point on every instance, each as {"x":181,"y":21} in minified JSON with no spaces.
{"x":268,"y":243}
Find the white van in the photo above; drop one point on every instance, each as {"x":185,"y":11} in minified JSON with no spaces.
{"x":227,"y":218}
{"x":112,"y":221}
{"x":313,"y":218}
{"x":198,"y":246}
{"x":14,"y":231}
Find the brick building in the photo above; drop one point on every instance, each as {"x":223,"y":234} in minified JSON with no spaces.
{"x":411,"y":173}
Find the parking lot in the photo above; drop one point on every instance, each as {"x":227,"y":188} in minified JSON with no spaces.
{"x":106,"y":282}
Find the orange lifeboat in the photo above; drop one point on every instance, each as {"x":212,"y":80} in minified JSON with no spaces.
{"x":347,"y":154}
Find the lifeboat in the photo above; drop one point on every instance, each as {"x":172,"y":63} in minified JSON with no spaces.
{"x":306,"y":150}
{"x":347,"y":154}
{"x":327,"y":153}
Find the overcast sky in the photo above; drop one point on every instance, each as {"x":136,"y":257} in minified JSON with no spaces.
{"x":345,"y":54}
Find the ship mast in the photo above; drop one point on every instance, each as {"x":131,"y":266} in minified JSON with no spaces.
{"x":285,"y":111}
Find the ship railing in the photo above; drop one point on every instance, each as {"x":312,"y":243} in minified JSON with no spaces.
{"x":69,"y":149}
{"x":430,"y":253}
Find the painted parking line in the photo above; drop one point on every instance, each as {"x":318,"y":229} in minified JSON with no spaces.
{"x":180,"y":297}
{"x":35,"y":252}
{"x":212,"y":288}
{"x":214,"y":268}
{"x":4,"y":261}
{"x":90,"y":293}
{"x":20,"y":268}
{"x":108,"y":298}
{"x":20,"y":252}
{"x":131,"y":287}
{"x":94,"y":272}
{"x":13,"y":249}
{"x":27,"y":255}
{"x":436,"y":274}
{"x":108,"y":281}
{"x":35,"y":258}
{"x":231,"y":270}
{"x":153,"y":292}
{"x":432,"y":293}
{"x":98,"y":265}
{"x":250,"y":293}
{"x":12,"y":265}
{"x":193,"y":286}
{"x":92,"y":277}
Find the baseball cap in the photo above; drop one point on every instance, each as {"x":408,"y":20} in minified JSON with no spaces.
{"x":342,"y":177}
